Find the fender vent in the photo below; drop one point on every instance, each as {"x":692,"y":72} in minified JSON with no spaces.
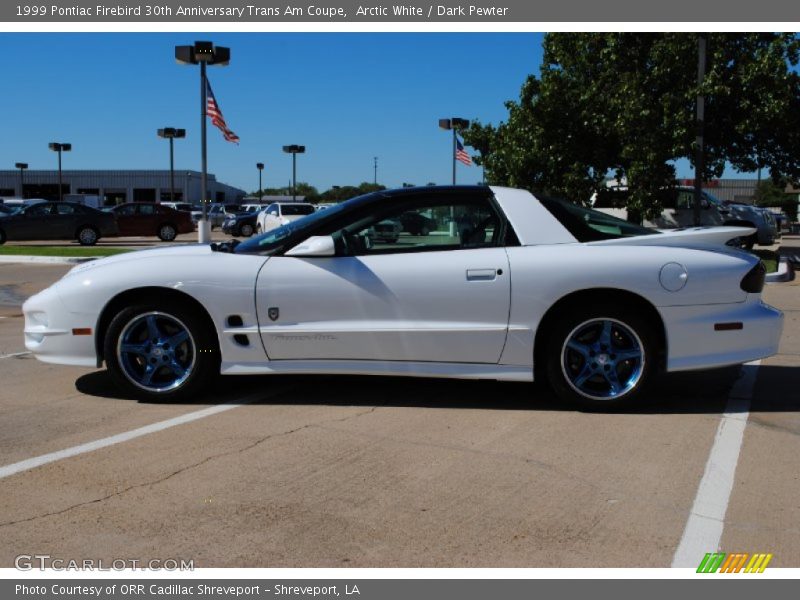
{"x":241,"y":339}
{"x":235,"y":321}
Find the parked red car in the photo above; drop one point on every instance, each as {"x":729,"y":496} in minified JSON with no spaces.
{"x":150,"y":218}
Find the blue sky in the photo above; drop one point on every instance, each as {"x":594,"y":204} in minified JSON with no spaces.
{"x":346,"y":97}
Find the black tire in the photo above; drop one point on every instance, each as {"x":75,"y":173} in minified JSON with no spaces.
{"x":258,"y":228}
{"x":425,"y":230}
{"x":167,"y":232}
{"x":198,"y":355}
{"x":87,"y":235}
{"x":246,"y":230}
{"x":566,"y":367}
{"x":3,"y":237}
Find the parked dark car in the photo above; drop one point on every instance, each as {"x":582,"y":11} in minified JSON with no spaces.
{"x":387,"y":231}
{"x":57,"y":221}
{"x":417,"y":224}
{"x":149,"y":218}
{"x":241,"y":224}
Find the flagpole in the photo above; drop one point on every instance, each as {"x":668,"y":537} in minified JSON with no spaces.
{"x":204,"y":231}
{"x":454,"y":155}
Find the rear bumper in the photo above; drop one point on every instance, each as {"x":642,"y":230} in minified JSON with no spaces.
{"x":693,"y":342}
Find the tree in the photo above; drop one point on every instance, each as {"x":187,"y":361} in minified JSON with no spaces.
{"x":342,"y":193}
{"x":623,"y":104}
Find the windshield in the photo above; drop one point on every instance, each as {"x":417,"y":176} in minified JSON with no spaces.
{"x":588,"y":225}
{"x":274,"y":237}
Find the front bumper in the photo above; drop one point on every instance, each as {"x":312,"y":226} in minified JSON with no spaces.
{"x":50,"y":331}
{"x":693,"y":342}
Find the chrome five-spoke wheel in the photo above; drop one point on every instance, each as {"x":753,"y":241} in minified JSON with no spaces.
{"x":602,"y":359}
{"x":156,"y":352}
{"x":601,"y":356}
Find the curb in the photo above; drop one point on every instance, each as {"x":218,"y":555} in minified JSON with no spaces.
{"x":52,"y":260}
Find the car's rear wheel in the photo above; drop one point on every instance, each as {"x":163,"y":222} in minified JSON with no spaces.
{"x":601,"y":357}
{"x":167,"y":232}
{"x":425,"y":230}
{"x":246,"y":230}
{"x":87,"y":236}
{"x":161,"y":351}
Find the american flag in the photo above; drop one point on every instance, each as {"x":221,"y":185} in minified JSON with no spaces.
{"x":461,"y":154}
{"x":215,"y":113}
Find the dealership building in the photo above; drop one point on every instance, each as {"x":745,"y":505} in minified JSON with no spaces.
{"x":115,"y":187}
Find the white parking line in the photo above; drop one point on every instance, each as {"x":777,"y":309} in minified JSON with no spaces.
{"x":707,"y":518}
{"x":38,"y":461}
{"x":14,"y":354}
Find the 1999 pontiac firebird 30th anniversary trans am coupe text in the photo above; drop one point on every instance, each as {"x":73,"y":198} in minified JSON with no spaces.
{"x":503,"y":286}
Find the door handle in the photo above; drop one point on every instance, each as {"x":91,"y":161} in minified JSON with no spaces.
{"x":481,"y":274}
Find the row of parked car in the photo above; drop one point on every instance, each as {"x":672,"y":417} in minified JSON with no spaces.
{"x":678,"y":211}
{"x":45,"y":220}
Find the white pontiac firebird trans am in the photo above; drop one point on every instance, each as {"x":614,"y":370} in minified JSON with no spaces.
{"x":506,"y":286}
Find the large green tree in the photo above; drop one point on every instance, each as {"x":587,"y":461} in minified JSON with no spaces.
{"x":624,"y":104}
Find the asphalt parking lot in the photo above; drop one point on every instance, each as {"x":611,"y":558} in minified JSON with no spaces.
{"x":369,"y":472}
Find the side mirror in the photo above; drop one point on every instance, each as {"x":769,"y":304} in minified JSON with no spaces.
{"x":316,"y":245}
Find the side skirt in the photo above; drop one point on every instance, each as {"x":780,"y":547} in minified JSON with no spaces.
{"x":366,"y":367}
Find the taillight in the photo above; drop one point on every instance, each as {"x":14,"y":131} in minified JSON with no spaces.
{"x":753,"y":282}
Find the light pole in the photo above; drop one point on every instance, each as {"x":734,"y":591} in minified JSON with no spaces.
{"x":203,"y":53}
{"x":21,"y":167}
{"x":260,"y":167}
{"x":375,"y":169}
{"x":454,"y":123}
{"x":171,"y":133}
{"x":294,"y":150}
{"x":699,"y":157}
{"x":59,"y":147}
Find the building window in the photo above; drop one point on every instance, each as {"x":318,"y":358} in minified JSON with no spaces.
{"x":89,"y":191}
{"x":167,"y":197}
{"x":144,"y":195}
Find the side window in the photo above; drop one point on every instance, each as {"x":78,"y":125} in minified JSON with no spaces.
{"x":428,"y":225}
{"x":685,"y":200}
{"x":273,"y":210}
{"x":39,"y":210}
{"x":65,"y":209}
{"x":147,"y":209}
{"x":126,"y":210}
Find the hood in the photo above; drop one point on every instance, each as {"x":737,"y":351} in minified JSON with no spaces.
{"x":150,"y":253}
{"x":690,"y":237}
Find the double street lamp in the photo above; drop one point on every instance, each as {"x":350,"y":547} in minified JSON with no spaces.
{"x":456,"y":124}
{"x":171,"y":133}
{"x":294,"y":150}
{"x":260,"y":167}
{"x":60,"y":147}
{"x":203,"y":53}
{"x":21,"y":166}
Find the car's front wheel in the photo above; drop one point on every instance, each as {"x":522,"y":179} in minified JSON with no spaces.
{"x":161,"y":351}
{"x":246,"y":230}
{"x":601,"y":357}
